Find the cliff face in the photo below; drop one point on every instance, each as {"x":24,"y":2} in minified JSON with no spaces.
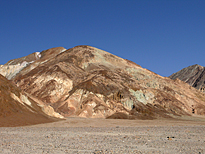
{"x":18,"y":108}
{"x":89,"y":82}
{"x":193,"y":75}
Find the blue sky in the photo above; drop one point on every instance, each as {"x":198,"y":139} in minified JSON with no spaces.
{"x":163,"y":36}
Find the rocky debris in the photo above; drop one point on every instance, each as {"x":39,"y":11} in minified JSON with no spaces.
{"x":170,"y":138}
{"x":193,"y":75}
{"x":143,"y":139}
{"x":17,"y":108}
{"x":88,"y":82}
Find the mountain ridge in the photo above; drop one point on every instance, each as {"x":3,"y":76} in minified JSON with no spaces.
{"x":88,"y":82}
{"x":194,"y":75}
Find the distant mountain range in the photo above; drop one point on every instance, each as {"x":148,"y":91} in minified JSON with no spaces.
{"x":88,"y":82}
{"x":193,"y":75}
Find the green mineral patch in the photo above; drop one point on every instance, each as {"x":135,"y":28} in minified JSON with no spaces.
{"x":139,"y":95}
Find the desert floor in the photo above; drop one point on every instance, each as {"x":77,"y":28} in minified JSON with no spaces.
{"x":80,"y":135}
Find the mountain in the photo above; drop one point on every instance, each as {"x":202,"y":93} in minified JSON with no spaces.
{"x":88,"y":82}
{"x":193,"y":75}
{"x":17,"y":108}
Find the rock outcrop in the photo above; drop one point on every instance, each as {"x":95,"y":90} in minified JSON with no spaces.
{"x":89,"y":82}
{"x":193,"y":75}
{"x":13,"y":67}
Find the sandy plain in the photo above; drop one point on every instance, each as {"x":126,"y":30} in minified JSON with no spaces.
{"x":98,"y":136}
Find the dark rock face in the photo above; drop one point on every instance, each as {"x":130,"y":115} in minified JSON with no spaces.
{"x":193,"y":75}
{"x":89,"y":82}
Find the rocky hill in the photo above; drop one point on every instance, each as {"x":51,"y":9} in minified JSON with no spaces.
{"x":18,"y":108}
{"x":193,"y":75}
{"x":88,"y":82}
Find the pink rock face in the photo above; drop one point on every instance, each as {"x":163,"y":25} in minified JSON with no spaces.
{"x":89,"y":82}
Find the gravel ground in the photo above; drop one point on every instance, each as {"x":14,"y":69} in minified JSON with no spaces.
{"x":99,"y":140}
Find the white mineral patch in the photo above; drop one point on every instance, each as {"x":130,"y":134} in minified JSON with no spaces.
{"x":16,"y":98}
{"x":50,"y":111}
{"x":10,"y":71}
{"x":44,"y":61}
{"x":37,"y":55}
{"x":10,"y":62}
{"x":63,"y":50}
{"x":93,"y":104}
{"x":24,"y":63}
{"x":85,"y":65}
{"x":25,"y":100}
{"x":128,"y":103}
{"x":100,"y":96}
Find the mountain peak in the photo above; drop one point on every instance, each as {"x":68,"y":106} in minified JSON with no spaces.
{"x":88,"y":82}
{"x":193,"y":75}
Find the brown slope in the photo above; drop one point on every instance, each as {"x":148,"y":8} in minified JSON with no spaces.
{"x":89,"y":82}
{"x":193,"y":75}
{"x":18,"y":109}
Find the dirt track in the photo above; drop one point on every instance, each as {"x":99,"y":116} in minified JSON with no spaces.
{"x":79,"y":135}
